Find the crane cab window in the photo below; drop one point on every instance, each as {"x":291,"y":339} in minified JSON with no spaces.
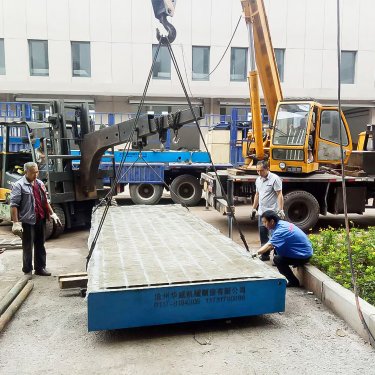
{"x":291,"y":124}
{"x":329,"y":128}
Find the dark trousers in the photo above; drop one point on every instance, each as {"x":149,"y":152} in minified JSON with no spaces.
{"x":33,"y":236}
{"x":263,"y":234}
{"x":283,"y":263}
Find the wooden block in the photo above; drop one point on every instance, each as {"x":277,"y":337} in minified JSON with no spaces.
{"x":75,"y":274}
{"x":73,"y":282}
{"x":358,"y":173}
{"x":236,"y":172}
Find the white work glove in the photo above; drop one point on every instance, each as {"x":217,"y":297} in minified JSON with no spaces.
{"x":56,"y":219}
{"x":254,"y":213}
{"x":17,"y":228}
{"x":281,"y":214}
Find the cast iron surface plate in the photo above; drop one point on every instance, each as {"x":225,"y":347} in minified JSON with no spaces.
{"x":145,"y":246}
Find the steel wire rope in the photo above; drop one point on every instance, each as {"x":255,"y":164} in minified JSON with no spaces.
{"x":173,"y":57}
{"x":226,"y":49}
{"x":186,"y":75}
{"x":217,"y":65}
{"x":105,"y":198}
{"x":128,"y":142}
{"x":118,"y":172}
{"x":343,"y":183}
{"x":169,"y":187}
{"x":140,"y":157}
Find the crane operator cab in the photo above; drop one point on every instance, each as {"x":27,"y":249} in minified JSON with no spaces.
{"x":305,"y":135}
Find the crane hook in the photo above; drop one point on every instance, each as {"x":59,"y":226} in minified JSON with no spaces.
{"x":169,"y":27}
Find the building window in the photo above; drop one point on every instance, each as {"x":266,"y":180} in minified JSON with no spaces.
{"x":279,"y":56}
{"x":201,"y":63}
{"x":162,"y":67}
{"x":348,"y":66}
{"x":81,"y":60}
{"x":238,"y":64}
{"x":2,"y":57}
{"x":38,"y":57}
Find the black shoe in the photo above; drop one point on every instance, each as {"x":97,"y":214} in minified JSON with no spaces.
{"x":42,"y":272}
{"x":264,"y":257}
{"x":292,"y":285}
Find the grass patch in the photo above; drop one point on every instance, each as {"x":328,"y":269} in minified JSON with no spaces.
{"x":331,"y":257}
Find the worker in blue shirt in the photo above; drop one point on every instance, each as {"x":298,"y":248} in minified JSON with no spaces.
{"x":290,"y":244}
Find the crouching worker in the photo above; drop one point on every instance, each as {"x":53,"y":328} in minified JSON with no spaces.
{"x":291,"y":245}
{"x":29,"y":210}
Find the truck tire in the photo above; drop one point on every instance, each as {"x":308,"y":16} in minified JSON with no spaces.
{"x":48,"y":230}
{"x":57,"y":230}
{"x":301,"y":208}
{"x":146,"y":193}
{"x":186,"y":189}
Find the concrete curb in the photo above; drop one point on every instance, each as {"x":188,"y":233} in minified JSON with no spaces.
{"x":339,"y":299}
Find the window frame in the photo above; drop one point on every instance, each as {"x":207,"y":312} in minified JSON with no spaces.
{"x":278,"y":63}
{"x":352,"y":78}
{"x":244,"y":79}
{"x":162,"y":50}
{"x":206,"y":76}
{"x":76,"y":75}
{"x":32,"y":69}
{"x":345,"y":137}
{"x":2,"y":57}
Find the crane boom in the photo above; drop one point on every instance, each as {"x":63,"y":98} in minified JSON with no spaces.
{"x":255,"y":14}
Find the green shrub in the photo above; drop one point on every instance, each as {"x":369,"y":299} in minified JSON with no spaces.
{"x":331,"y":257}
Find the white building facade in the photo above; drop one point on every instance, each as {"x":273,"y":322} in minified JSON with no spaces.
{"x":101,"y":51}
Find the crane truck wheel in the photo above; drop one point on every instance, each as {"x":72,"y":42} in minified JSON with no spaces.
{"x":301,"y":208}
{"x":186,"y":189}
{"x":57,"y":230}
{"x":146,"y":193}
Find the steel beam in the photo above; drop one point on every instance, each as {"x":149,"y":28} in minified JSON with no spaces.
{"x":95,"y":144}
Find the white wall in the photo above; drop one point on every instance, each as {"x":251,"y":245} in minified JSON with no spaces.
{"x":121,"y":33}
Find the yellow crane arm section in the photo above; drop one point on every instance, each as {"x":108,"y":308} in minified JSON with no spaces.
{"x":264,"y":54}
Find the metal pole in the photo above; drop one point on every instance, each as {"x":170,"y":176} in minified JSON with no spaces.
{"x":12,"y":294}
{"x":47,"y":165}
{"x":207,"y":193}
{"x":230,"y":203}
{"x":251,"y":46}
{"x":14,"y":306}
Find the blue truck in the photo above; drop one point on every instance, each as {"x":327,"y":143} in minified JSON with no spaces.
{"x":149,"y":172}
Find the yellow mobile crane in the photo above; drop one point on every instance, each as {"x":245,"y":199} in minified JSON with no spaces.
{"x":304,"y":134}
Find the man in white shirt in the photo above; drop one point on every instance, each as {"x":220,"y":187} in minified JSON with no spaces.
{"x":268,"y":196}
